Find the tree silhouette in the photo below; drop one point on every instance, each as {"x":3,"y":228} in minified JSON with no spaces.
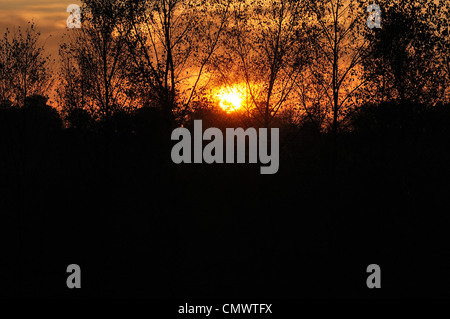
{"x":93,"y":59}
{"x":338,"y":48}
{"x":172,"y":42}
{"x":265,"y":48}
{"x":24,"y":68}
{"x":407,"y":55}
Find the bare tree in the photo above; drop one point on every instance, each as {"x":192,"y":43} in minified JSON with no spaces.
{"x":75,"y":82}
{"x":264,"y":48}
{"x":172,"y":42}
{"x":338,"y":47}
{"x":93,"y":59}
{"x":24,"y":69}
{"x":408,"y":59}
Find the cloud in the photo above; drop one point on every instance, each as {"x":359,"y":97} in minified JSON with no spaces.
{"x":49,"y":16}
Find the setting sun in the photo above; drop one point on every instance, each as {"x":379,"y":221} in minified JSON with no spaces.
{"x":231,"y":99}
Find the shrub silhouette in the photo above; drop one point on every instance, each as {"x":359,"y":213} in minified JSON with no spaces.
{"x":81,"y":119}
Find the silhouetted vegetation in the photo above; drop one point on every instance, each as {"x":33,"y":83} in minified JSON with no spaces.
{"x":364,"y":144}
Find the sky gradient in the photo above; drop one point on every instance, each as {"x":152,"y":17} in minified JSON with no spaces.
{"x":49,"y":16}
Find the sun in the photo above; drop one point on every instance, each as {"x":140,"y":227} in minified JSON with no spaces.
{"x":230,"y":98}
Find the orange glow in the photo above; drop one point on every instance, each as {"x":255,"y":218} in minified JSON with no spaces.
{"x":231,"y":98}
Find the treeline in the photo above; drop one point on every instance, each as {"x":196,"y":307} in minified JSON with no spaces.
{"x":299,"y":62}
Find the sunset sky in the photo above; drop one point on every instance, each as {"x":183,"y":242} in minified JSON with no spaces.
{"x":49,"y":15}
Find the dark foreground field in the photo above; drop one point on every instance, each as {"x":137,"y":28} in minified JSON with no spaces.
{"x":139,"y":226}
